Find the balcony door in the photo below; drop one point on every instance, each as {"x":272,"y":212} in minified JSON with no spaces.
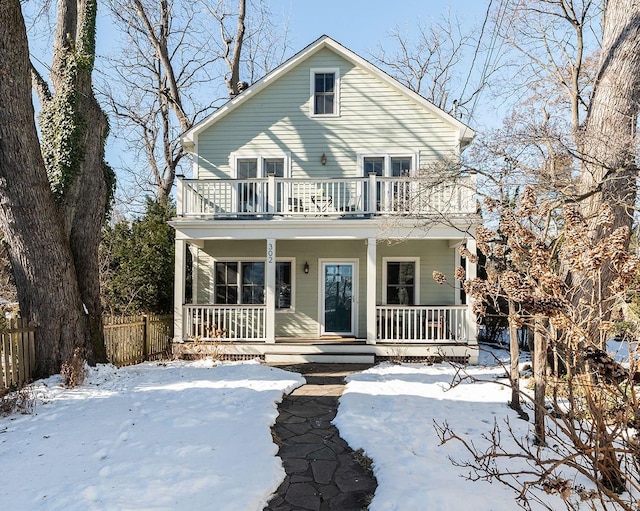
{"x":338,"y":297}
{"x":251,"y":195}
{"x":390,"y":195}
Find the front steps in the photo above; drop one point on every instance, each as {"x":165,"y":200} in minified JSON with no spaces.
{"x":319,"y":358}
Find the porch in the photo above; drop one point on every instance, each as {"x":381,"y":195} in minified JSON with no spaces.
{"x":334,"y":288}
{"x":362,"y":197}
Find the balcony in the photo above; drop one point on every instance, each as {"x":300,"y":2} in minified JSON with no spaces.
{"x":320,"y":198}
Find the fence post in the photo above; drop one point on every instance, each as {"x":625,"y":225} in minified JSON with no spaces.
{"x":146,"y":335}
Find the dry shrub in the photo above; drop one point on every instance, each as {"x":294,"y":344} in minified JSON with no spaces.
{"x":74,"y":372}
{"x":18,"y":401}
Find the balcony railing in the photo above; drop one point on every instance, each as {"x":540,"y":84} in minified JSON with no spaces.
{"x":419,"y":324}
{"x":310,"y":198}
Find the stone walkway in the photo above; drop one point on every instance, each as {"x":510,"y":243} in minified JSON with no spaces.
{"x":323,"y":473}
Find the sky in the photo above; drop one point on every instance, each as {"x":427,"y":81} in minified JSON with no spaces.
{"x":339,"y":18}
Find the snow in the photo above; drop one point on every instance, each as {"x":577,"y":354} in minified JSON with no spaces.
{"x":389,"y":411}
{"x":196,"y":435}
{"x":163,"y":437}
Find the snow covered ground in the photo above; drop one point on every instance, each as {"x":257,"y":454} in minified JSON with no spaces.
{"x":389,"y":411}
{"x":195,"y":436}
{"x":185,"y":436}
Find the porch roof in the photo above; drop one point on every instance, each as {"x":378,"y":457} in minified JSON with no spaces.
{"x":322,"y":228}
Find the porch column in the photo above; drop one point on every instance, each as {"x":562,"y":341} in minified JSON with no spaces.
{"x":179,"y":287}
{"x":471,"y":271}
{"x":270,"y":285}
{"x":371,"y":291}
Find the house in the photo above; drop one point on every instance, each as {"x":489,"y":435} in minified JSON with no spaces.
{"x":316,"y":217}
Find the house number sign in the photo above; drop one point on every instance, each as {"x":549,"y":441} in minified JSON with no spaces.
{"x":270,"y":253}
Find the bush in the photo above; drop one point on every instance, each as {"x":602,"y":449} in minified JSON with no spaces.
{"x":137,"y":263}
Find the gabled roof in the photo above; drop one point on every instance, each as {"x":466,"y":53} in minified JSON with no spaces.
{"x":465,"y":134}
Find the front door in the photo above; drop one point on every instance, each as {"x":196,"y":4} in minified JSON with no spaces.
{"x":338,"y":297}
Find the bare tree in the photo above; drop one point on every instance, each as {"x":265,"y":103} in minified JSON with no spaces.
{"x":556,"y":44}
{"x":432,"y":63}
{"x":176,"y":56}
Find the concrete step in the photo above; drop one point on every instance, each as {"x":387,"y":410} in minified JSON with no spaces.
{"x":319,"y":358}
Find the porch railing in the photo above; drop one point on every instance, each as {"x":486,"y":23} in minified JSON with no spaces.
{"x":225,"y":322}
{"x":397,"y":323}
{"x":357,"y":197}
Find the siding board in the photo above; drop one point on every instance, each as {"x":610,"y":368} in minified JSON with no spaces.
{"x":374,"y":117}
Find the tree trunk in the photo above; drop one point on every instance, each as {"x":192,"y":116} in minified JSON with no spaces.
{"x":608,"y":141}
{"x":540,"y":377}
{"x":514,"y":351}
{"x":38,"y":248}
{"x":83,"y":199}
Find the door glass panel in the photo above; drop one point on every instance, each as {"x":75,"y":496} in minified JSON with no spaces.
{"x":248,"y":192}
{"x":374,"y":165}
{"x":338,"y":298}
{"x":275,"y":166}
{"x":401,"y":167}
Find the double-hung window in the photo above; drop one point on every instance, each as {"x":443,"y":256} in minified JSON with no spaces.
{"x":324,"y":92}
{"x":239,"y":282}
{"x":243,"y":282}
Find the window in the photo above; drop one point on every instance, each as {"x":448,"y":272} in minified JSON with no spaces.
{"x":239,"y":282}
{"x":401,"y":282}
{"x":283,"y":285}
{"x":226,"y":283}
{"x":400,"y":166}
{"x":324,"y":91}
{"x":252,"y":278}
{"x":374,"y":165}
{"x":243,"y":282}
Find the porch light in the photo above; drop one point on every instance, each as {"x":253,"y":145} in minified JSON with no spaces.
{"x":323,"y":159}
{"x":306,"y":267}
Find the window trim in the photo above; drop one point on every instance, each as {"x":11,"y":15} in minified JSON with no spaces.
{"x":260,"y":159}
{"x":391,"y":259}
{"x":388,"y":155}
{"x":292,"y":260}
{"x":312,"y":90}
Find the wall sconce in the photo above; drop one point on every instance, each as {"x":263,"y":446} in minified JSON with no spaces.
{"x":323,"y":159}
{"x":305,"y":268}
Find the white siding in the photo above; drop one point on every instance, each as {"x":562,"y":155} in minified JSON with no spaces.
{"x":373,"y":118}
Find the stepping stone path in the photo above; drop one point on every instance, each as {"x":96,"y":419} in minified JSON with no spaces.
{"x":323,"y":473}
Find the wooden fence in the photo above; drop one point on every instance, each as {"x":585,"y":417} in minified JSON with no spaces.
{"x":132,"y":339}
{"x":128,"y":340}
{"x":17,"y":353}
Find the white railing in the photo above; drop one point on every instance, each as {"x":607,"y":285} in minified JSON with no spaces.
{"x":324,"y":197}
{"x":399,"y":323}
{"x":225,"y":322}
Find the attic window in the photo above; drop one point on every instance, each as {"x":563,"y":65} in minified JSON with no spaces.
{"x":324,"y":91}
